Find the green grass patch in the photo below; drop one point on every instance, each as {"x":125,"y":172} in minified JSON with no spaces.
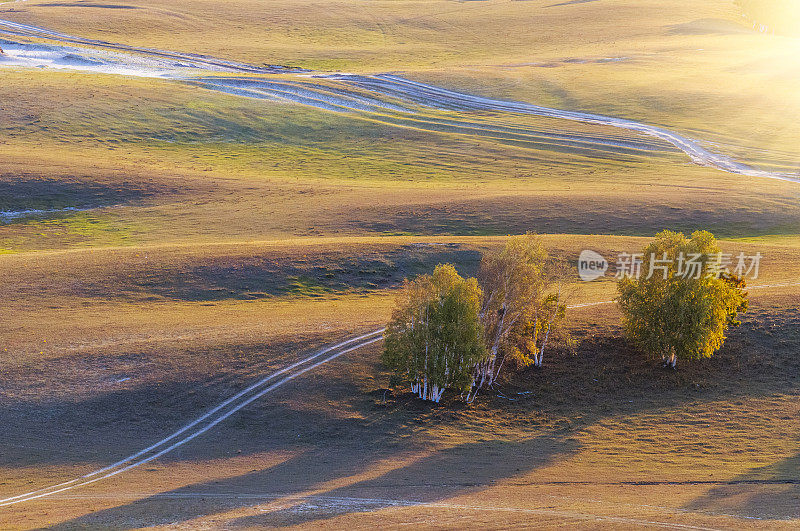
{"x":79,"y":229}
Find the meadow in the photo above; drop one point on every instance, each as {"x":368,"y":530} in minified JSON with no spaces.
{"x":193,"y":241}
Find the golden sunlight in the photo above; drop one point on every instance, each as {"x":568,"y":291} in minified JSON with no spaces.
{"x":773,"y":16}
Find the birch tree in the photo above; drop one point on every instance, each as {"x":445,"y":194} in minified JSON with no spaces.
{"x":520,"y":308}
{"x":683,"y":303}
{"x":434,"y":338}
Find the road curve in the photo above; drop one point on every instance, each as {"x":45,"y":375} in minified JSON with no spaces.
{"x":430,"y":95}
{"x":205,"y":422}
{"x":199,"y":61}
{"x":387,"y":98}
{"x":233,"y":404}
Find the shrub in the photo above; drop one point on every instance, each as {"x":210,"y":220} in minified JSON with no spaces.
{"x":677,"y":312}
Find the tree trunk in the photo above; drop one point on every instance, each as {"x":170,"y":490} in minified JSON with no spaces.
{"x":436,"y":393}
{"x":538,"y":358}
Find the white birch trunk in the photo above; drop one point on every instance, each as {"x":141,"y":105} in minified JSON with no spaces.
{"x":540,"y":356}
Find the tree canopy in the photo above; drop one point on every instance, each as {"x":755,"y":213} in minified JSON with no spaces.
{"x":435,"y":338}
{"x":684,"y":301}
{"x":520,"y":307}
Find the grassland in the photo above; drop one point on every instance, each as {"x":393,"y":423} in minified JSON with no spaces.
{"x":692,"y":66}
{"x":217,"y":238}
{"x":190,"y":165}
{"x":114,"y":347}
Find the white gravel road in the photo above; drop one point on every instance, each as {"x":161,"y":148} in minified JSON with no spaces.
{"x":228,"y":407}
{"x":386,"y":98}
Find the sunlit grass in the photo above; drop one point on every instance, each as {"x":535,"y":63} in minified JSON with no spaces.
{"x":224,"y":167}
{"x":69,"y":229}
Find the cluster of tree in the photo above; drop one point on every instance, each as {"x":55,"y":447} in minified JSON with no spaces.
{"x":448,"y":332}
{"x":434,"y":338}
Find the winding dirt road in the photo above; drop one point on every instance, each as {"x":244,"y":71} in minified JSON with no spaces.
{"x":207,"y":421}
{"x":385,"y":98}
{"x":225,"y":409}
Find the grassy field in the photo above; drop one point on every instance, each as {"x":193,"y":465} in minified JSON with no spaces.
{"x":112,"y":348}
{"x":693,"y":66}
{"x":190,"y":242}
{"x":190,"y":165}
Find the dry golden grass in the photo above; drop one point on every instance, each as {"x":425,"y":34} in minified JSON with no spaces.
{"x":235,"y":236}
{"x":601,"y":433}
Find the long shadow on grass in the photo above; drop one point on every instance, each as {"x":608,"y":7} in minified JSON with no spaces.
{"x":271,"y":274}
{"x":339,"y":451}
{"x":620,"y":215}
{"x":20,"y":194}
{"x":354,"y":453}
{"x":766,"y":492}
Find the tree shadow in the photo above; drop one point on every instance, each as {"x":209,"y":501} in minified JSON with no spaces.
{"x":453,"y":471}
{"x":769,"y":492}
{"x":356,"y":448}
{"x":343,"y":451}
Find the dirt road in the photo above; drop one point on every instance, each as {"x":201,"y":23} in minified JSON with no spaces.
{"x":235,"y":403}
{"x":207,"y":420}
{"x":385,"y":98}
